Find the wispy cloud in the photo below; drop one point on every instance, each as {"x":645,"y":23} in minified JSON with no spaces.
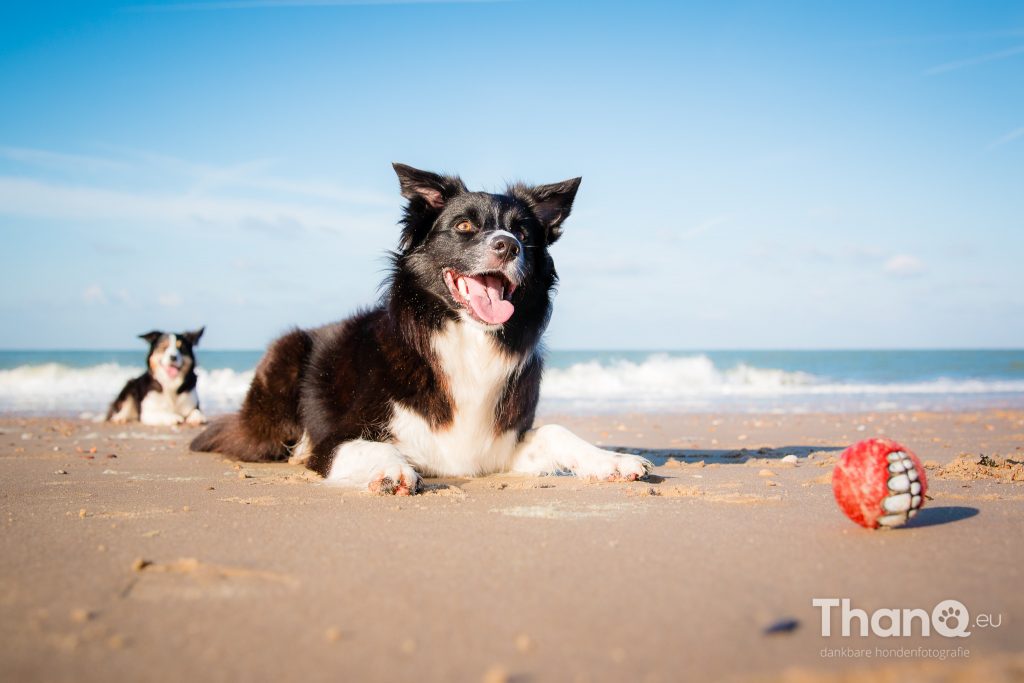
{"x":974,"y":61}
{"x":705,"y":227}
{"x":265,"y":4}
{"x":904,"y":265}
{"x":1009,"y":137}
{"x":148,"y":188}
{"x":198,"y":178}
{"x":924,"y":39}
{"x":39,"y":199}
{"x":60,"y":161}
{"x":94,"y":294}
{"x":170,"y":300}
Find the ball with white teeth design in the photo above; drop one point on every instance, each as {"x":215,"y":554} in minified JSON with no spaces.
{"x":879,"y":483}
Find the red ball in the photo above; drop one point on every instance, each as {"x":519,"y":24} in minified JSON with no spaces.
{"x":879,"y":483}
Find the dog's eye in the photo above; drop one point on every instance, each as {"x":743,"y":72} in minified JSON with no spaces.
{"x":178,"y":344}
{"x":464,"y":226}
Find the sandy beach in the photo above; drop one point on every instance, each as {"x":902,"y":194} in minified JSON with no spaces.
{"x":126,"y":557}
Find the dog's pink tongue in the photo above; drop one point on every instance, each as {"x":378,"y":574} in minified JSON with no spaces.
{"x":485,"y":298}
{"x":171,"y":371}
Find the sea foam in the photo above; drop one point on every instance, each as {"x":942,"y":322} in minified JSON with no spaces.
{"x":657,"y":382}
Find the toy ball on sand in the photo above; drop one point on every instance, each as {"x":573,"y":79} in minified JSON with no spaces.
{"x":879,"y":483}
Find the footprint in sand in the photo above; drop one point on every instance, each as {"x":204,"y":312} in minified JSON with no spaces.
{"x":190,"y":579}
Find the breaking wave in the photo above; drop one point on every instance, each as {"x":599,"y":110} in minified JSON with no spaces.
{"x":667,"y":382}
{"x":59,"y":389}
{"x":657,"y":382}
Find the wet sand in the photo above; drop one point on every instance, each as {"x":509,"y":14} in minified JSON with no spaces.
{"x":125,"y":557}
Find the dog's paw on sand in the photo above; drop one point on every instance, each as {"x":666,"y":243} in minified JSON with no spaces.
{"x":388,"y":484}
{"x":614,"y":467}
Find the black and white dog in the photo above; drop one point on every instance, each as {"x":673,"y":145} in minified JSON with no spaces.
{"x":166,"y":393}
{"x":442,"y":377}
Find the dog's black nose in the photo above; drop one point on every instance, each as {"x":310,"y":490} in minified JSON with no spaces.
{"x":505,"y":246}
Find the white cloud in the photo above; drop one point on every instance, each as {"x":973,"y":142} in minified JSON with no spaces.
{"x":170,"y":300}
{"x":705,"y":227}
{"x":39,"y":199}
{"x":94,"y":294}
{"x":145,"y":188}
{"x":903,"y":265}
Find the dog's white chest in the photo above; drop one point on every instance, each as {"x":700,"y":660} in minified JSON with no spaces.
{"x":167,"y":406}
{"x":476,"y":373}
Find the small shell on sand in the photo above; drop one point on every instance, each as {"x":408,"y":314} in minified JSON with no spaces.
{"x":496,"y":674}
{"x":80,"y":616}
{"x":790,"y":459}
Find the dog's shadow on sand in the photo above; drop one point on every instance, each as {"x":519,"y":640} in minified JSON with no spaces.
{"x":928,"y":516}
{"x":659,"y":456}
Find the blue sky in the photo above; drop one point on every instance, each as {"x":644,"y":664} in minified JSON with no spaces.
{"x":755,"y":175}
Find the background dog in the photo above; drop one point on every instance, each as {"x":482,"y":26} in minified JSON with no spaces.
{"x":166,"y":393}
{"x":442,"y":378}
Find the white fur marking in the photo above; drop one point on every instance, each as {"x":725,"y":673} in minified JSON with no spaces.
{"x":476,"y":372}
{"x":126,"y":413}
{"x":553,"y":448}
{"x":168,"y":407}
{"x":301,"y":451}
{"x":359,"y":463}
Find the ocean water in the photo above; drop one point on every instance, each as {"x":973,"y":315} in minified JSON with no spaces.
{"x":82,"y":383}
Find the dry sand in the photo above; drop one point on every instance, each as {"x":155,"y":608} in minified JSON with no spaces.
{"x":125,"y":557}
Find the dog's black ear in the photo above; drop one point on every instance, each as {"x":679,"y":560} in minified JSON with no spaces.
{"x":151,"y":337}
{"x":426,"y":190}
{"x":552,"y":203}
{"x":193,"y":336}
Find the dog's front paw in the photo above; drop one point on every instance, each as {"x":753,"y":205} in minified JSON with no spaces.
{"x":195,"y":418}
{"x":373,"y":466}
{"x":608,"y":466}
{"x":398,"y":480}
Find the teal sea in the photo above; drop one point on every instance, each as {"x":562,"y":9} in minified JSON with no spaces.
{"x":83,"y":382}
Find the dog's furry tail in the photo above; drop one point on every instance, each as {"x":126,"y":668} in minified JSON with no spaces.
{"x":228,"y":436}
{"x":268,"y":424}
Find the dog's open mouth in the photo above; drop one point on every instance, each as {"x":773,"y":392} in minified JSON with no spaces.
{"x":486,"y":295}
{"x":172,"y":369}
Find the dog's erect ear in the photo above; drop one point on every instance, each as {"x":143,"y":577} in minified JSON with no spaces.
{"x":424,"y":189}
{"x":151,"y":337}
{"x":193,"y":336}
{"x":552,"y":204}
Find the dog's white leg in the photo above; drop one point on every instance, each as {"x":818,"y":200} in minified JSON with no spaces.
{"x":160,"y":418}
{"x":378,"y":467}
{"x":126,"y":413}
{"x":553,"y":448}
{"x":195,"y":417}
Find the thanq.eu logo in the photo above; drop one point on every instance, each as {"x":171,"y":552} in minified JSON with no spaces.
{"x":949,"y":618}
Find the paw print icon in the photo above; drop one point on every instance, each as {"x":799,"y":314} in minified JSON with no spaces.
{"x":950,"y":618}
